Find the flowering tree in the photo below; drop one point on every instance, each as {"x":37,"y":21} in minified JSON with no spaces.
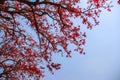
{"x":23,"y":55}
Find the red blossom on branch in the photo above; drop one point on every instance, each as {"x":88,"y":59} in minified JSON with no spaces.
{"x":118,"y":1}
{"x":31,"y":32}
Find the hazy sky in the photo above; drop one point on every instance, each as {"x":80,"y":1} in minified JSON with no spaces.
{"x":102,"y":61}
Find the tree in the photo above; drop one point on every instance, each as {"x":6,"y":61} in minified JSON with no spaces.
{"x":22,"y":55}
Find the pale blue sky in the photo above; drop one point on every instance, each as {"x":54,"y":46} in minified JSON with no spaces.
{"x":103,"y":53}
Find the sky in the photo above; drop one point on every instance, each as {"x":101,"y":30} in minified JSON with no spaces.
{"x":101,"y":61}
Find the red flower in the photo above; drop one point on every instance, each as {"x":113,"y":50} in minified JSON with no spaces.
{"x":96,"y":1}
{"x":118,"y":2}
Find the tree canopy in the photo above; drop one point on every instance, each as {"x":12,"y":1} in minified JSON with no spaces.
{"x":23,"y":55}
